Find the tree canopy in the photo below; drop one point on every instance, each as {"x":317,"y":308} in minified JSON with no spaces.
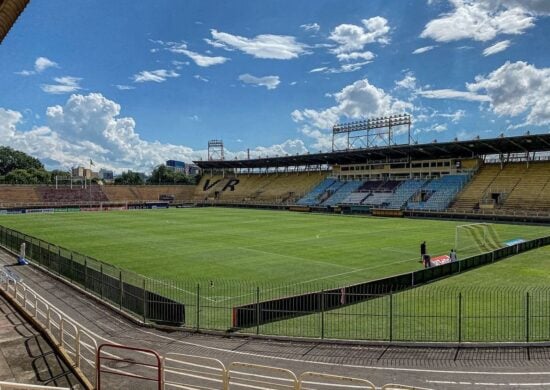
{"x":164,"y":175}
{"x":11,"y":159}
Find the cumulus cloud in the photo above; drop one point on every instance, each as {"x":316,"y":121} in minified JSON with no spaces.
{"x":40,"y":65}
{"x":496,"y":48}
{"x":352,"y":38}
{"x":270,"y":82}
{"x":65,"y":84}
{"x":517,"y":88}
{"x":157,"y":76}
{"x":267,"y":46}
{"x":355,"y":101}
{"x":482,"y":20}
{"x":91,"y":127}
{"x":424,"y":49}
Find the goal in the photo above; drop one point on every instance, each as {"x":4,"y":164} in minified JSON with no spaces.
{"x":476,"y":238}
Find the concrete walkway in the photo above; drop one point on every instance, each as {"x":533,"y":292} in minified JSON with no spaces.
{"x":437,"y":368}
{"x":25,"y":356}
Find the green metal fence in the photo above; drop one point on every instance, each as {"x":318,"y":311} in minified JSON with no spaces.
{"x":392,"y":311}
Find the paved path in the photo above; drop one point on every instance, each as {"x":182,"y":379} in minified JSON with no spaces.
{"x":437,"y":368}
{"x":25,"y":356}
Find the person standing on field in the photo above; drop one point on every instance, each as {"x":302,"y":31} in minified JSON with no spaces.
{"x":422,"y":250}
{"x":452,"y":256}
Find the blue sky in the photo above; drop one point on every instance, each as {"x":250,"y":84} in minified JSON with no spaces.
{"x":131,"y":84}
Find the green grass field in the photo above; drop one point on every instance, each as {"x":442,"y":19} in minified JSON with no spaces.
{"x":255,"y":255}
{"x":252,"y":246}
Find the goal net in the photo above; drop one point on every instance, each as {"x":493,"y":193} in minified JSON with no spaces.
{"x":476,"y":238}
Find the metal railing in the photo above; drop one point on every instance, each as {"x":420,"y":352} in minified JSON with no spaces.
{"x":78,"y":344}
{"x":387,"y":309}
{"x":173,"y":370}
{"x":23,"y":386}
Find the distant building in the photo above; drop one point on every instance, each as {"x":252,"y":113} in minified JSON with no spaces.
{"x":180,"y":166}
{"x":84,"y":173}
{"x":105,"y":174}
{"x":177,"y":166}
{"x":192,"y":169}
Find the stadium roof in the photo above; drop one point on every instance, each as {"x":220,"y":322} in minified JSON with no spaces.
{"x":435,"y":150}
{"x":9,"y":12}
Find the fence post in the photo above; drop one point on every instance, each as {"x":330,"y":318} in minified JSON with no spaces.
{"x":322,"y":303}
{"x":121,"y":288}
{"x":527,"y":317}
{"x":258,"y":310}
{"x":391,"y":315}
{"x":460,"y":317}
{"x":85,"y":274}
{"x":144,"y":302}
{"x":101,"y":280}
{"x":198,"y":305}
{"x":58,"y":259}
{"x":71,"y":268}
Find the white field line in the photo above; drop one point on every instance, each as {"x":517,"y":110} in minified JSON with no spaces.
{"x":325,"y":277}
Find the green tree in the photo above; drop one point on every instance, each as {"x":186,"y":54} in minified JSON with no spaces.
{"x":129,"y":178}
{"x":11,"y":159}
{"x":164,"y":175}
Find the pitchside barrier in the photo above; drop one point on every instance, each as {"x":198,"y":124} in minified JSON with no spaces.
{"x":103,"y":280}
{"x":264,"y":312}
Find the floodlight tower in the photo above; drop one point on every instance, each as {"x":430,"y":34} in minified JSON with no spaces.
{"x":370,"y":133}
{"x":215,"y":150}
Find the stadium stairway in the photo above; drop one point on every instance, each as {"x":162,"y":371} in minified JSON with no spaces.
{"x":312,"y":197}
{"x":441,"y":192}
{"x":404,"y":192}
{"x":343,"y":192}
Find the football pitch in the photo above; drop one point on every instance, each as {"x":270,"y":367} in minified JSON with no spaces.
{"x":215,"y":259}
{"x":253,"y":246}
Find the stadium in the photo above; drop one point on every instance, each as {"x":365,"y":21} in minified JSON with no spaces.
{"x":382,"y":263}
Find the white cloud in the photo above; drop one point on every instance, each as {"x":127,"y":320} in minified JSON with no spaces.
{"x":408,"y":82}
{"x":65,"y":84}
{"x":480,"y":20}
{"x":199,"y":59}
{"x":453,"y":94}
{"x":435,"y":128}
{"x":455,"y":117}
{"x":40,"y":65}
{"x":317,"y":70}
{"x":268,"y":46}
{"x":157,"y":76}
{"x":356,"y":101}
{"x":367,"y":55}
{"x":515,"y":89}
{"x":123,"y":87}
{"x":43,"y":63}
{"x":270,"y":82}
{"x":496,"y":48}
{"x":199,"y":77}
{"x":424,"y":49}
{"x":90,"y":127}
{"x":352,"y":38}
{"x":344,"y":68}
{"x":314,"y":27}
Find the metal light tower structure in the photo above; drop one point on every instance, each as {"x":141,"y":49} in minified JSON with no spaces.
{"x":370,"y":133}
{"x":215,"y":150}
